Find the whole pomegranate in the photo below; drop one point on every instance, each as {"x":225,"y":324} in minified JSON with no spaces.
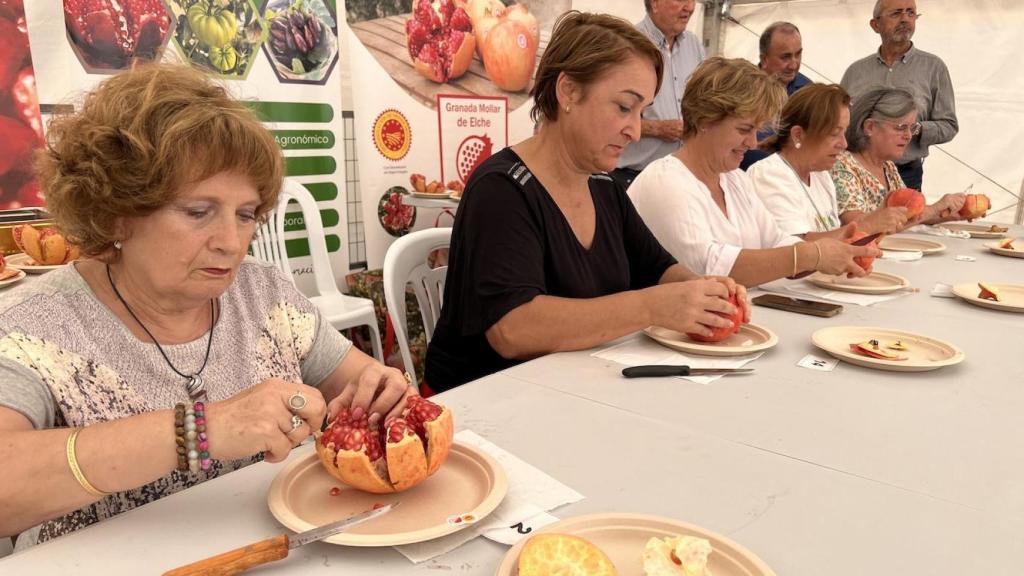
{"x":394,"y":457}
{"x":111,"y":33}
{"x":440,"y":41}
{"x":509,"y":54}
{"x":908,"y":197}
{"x":719,"y":334}
{"x":975,"y":206}
{"x":865,"y":262}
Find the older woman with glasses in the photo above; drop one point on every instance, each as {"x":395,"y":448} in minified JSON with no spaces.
{"x":882,"y":123}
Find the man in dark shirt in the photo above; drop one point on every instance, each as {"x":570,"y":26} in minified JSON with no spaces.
{"x":782,"y":51}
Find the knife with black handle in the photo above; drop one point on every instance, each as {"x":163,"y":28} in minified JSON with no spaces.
{"x":656,"y":370}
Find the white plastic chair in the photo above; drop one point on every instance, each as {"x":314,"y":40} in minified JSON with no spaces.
{"x":341,"y":310}
{"x":406,"y":263}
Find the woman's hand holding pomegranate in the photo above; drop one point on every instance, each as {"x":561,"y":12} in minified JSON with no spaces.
{"x":884,"y":220}
{"x":380,"y":391}
{"x":690,"y":306}
{"x":259,"y":419}
{"x":841,"y":258}
{"x":945,"y":210}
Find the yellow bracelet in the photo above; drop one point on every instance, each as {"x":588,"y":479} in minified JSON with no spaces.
{"x":794,"y":260}
{"x":73,"y":463}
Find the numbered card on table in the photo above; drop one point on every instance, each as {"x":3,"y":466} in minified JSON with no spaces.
{"x":510,"y":535}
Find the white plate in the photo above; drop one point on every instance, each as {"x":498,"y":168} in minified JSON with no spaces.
{"x":751,"y":338}
{"x":24,"y":262}
{"x":13,"y":279}
{"x":435,"y":196}
{"x":874,"y":283}
{"x":456,"y":196}
{"x":1011,"y":296}
{"x":976,"y":230}
{"x":908,"y":244}
{"x":1016,"y":252}
{"x":924,"y":352}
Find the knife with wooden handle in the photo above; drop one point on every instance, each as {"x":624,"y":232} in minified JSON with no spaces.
{"x":655,"y":370}
{"x":271,"y":549}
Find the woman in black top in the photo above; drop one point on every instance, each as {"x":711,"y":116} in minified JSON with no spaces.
{"x":548,"y":256}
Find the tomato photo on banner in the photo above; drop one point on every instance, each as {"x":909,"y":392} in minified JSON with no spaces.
{"x":21,"y":127}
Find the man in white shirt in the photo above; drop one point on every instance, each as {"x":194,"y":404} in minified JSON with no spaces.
{"x":662,"y":127}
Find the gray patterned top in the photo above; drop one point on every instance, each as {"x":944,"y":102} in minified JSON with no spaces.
{"x":67,"y":361}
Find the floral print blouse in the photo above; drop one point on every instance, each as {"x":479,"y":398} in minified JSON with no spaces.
{"x":859,"y":189}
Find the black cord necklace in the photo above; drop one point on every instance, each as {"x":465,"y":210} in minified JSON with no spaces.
{"x":195,"y":386}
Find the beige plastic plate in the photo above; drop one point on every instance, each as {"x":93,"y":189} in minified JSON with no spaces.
{"x":907,"y":244}
{"x":1016,"y":252}
{"x":751,"y":338}
{"x":13,"y":279}
{"x":623,"y":538}
{"x":22,"y":262}
{"x":1011,"y":296}
{"x":924,"y":352}
{"x":874,"y":283}
{"x":469,"y":483}
{"x":976,"y":230}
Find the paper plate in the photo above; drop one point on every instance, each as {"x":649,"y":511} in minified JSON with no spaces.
{"x":874,"y":283}
{"x":924,"y":352}
{"x":908,"y":244}
{"x":437,"y":196}
{"x":751,"y":338}
{"x":976,"y":230}
{"x":1016,"y":252}
{"x":623,"y":538}
{"x":25,"y":262}
{"x":468,"y":487}
{"x":1011,"y":296}
{"x":13,"y":279}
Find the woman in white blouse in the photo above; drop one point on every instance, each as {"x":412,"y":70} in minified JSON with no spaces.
{"x":703,"y":208}
{"x":794,"y":183}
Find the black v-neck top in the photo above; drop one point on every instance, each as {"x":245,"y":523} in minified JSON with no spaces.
{"x":511,"y":243}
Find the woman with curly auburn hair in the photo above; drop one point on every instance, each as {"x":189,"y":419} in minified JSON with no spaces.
{"x":165,"y":358}
{"x":704,"y":209}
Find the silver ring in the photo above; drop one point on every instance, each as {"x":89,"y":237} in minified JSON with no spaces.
{"x":296,"y":402}
{"x":297,"y":421}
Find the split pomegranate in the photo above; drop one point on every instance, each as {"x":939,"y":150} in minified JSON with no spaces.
{"x":112,"y":32}
{"x":46,"y":246}
{"x":865,"y":262}
{"x":510,"y":54}
{"x":392,"y":458}
{"x":975,"y":206}
{"x":441,"y":41}
{"x":719,"y":334}
{"x":909,"y":198}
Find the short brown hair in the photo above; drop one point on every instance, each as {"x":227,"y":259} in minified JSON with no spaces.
{"x":729,"y":87}
{"x":814,"y":108}
{"x":137,"y":139}
{"x":584,"y":46}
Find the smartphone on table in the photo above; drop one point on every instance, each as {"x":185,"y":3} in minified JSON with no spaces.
{"x":798,"y":305}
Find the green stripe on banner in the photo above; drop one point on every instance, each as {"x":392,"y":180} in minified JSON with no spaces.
{"x":304,"y":139}
{"x":323,"y":191}
{"x":310,"y":165}
{"x":293,"y":221}
{"x":299,"y":247}
{"x":292,"y":111}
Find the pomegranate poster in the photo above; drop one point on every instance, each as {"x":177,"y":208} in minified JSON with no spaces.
{"x":280,"y":56}
{"x":438,"y":86}
{"x":20,"y":123}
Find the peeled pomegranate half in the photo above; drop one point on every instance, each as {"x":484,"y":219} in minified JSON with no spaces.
{"x":440,"y":41}
{"x":719,"y":334}
{"x":405,"y":451}
{"x":908,"y":197}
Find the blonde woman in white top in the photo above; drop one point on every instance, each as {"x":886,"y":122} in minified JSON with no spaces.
{"x":704,"y":210}
{"x":794,"y":183}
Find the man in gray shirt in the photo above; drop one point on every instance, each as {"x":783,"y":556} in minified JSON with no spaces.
{"x":899,"y":64}
{"x":662,"y":126}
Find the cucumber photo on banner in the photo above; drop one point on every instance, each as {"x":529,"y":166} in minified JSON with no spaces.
{"x":279,"y":56}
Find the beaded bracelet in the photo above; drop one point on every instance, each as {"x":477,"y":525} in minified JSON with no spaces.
{"x":203,"y":445}
{"x":179,"y":437}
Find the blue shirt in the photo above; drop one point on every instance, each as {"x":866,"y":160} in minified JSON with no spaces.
{"x":680,"y":61}
{"x":756,"y":154}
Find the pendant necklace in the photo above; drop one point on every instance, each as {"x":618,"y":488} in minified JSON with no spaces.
{"x":195,"y":386}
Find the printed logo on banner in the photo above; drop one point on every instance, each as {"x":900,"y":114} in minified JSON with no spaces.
{"x":392,"y":134}
{"x":470,"y":129}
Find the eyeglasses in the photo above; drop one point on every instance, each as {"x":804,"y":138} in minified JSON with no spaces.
{"x":914,"y":128}
{"x":899,"y":14}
